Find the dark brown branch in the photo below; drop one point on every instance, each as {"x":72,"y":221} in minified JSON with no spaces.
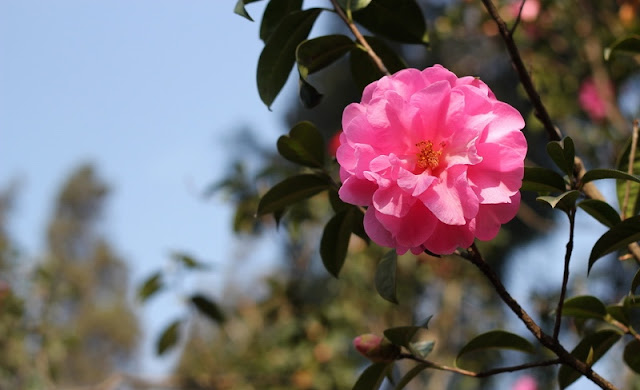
{"x":549,"y":342}
{"x":565,"y":274}
{"x":518,"y":18}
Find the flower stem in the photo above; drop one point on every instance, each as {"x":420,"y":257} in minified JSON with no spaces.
{"x":354,"y":29}
{"x":631,"y":159}
{"x":565,"y":275}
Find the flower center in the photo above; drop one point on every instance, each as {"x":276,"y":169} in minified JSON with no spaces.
{"x":427,"y":157}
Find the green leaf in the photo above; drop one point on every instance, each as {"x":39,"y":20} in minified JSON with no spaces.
{"x":315,"y":54}
{"x":636,"y":282}
{"x":279,"y":53}
{"x":240,"y":10}
{"x":309,"y":95}
{"x":421,"y":349}
{"x":627,"y":45}
{"x":542,"y":180}
{"x":618,"y":237}
{"x":353,"y":5}
{"x":335,"y":240}
{"x":633,"y":204}
{"x":364,"y":71}
{"x":402,"y":335}
{"x":303,"y":145}
{"x":597,"y":174}
{"x":496,"y":339}
{"x":632,"y":355}
{"x":584,"y":306}
{"x":399,"y":20}
{"x":601,"y":211}
{"x":208,"y":308}
{"x":598,"y":342}
{"x":168,"y":338}
{"x":563,"y":154}
{"x":291,"y":190}
{"x":408,"y":377}
{"x":152,"y":285}
{"x":386,"y":276}
{"x":372,"y":377}
{"x":564,"y":202}
{"x":274,"y":13}
{"x":619,"y":313}
{"x":187,"y":261}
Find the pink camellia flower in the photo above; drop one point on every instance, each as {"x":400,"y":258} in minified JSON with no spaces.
{"x":591,"y":101}
{"x":525,"y":382}
{"x":437,"y":159}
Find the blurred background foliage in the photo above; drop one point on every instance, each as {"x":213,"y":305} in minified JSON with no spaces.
{"x":66,"y":320}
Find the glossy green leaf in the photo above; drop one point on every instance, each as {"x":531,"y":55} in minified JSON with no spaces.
{"x":364,"y":71}
{"x":315,"y":54}
{"x":601,"y":211}
{"x":633,"y":204}
{"x":353,"y":5}
{"x":410,"y":375}
{"x":291,"y":190}
{"x":619,"y":313}
{"x":240,"y":10}
{"x":169,"y":337}
{"x":303,"y":145}
{"x":386,"y":276}
{"x":496,"y":339}
{"x":309,"y":95}
{"x":399,"y":20}
{"x":564,"y":202}
{"x":209,"y":308}
{"x":632,"y":355}
{"x":335,"y":240}
{"x":151,"y":285}
{"x":187,"y":261}
{"x":563,"y":154}
{"x":372,"y":377}
{"x":636,"y":282}
{"x":627,"y":45}
{"x":421,"y":349}
{"x":597,"y":174}
{"x":584,"y":306}
{"x":598,"y":342}
{"x":618,"y":237}
{"x":402,"y":335}
{"x":542,"y":180}
{"x":279,"y":53}
{"x":274,"y":13}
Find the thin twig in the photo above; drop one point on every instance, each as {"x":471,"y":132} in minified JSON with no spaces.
{"x":565,"y":275}
{"x":360,"y":38}
{"x":540,"y":110}
{"x":624,"y":328}
{"x":482,"y":374}
{"x":515,"y":24}
{"x":630,"y":160}
{"x":474,"y":256}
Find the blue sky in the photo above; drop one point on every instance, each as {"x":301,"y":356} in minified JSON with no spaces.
{"x":150,"y":92}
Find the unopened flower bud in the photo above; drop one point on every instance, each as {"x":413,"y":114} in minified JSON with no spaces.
{"x":376,"y":348}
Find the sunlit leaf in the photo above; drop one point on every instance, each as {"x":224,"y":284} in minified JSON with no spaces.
{"x":633,"y":202}
{"x":309,"y":95}
{"x":584,"y":306}
{"x":291,"y":190}
{"x":353,"y":5}
{"x":632,"y":355}
{"x":279,"y":53}
{"x":169,"y":337}
{"x":619,"y":313}
{"x":303,"y":145}
{"x":563,"y":154}
{"x":386,"y":276}
{"x":564,"y":202}
{"x":315,"y":54}
{"x":598,"y":342}
{"x":402,"y":335}
{"x":408,"y":377}
{"x":240,"y":10}
{"x":208,"y":308}
{"x":372,"y":377}
{"x":597,"y":174}
{"x":496,"y":339}
{"x":601,"y":211}
{"x":364,"y":71}
{"x":335,"y":240}
{"x":618,"y":237}
{"x":421,"y":349}
{"x":152,"y":285}
{"x":628,"y":45}
{"x":400,"y":20}
{"x":274,"y":13}
{"x":542,"y":180}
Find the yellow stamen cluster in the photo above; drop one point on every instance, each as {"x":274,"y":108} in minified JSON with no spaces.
{"x":427,"y":157}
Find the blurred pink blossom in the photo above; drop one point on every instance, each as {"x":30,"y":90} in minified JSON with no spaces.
{"x":591,"y":102}
{"x":334,"y":143}
{"x":530,"y":10}
{"x":437,"y":159}
{"x":525,"y":382}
